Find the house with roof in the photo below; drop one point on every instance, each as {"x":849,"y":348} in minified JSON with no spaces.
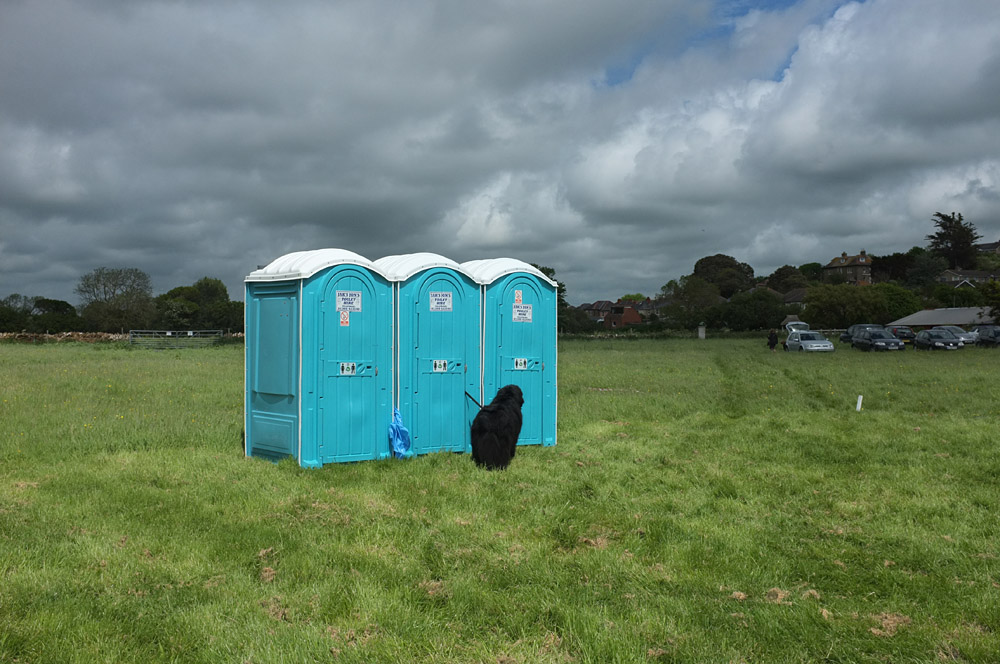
{"x":856,"y":270}
{"x":796,"y":298}
{"x":622,"y":315}
{"x":763,"y":287}
{"x":965,"y":278}
{"x":989,"y":248}
{"x":597,"y":310}
{"x":649,"y":306}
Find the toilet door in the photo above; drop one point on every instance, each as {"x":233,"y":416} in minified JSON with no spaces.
{"x":349,"y":424}
{"x":519,"y":353}
{"x":441,"y":365}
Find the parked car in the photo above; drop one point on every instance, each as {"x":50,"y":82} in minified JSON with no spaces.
{"x":808,"y":341}
{"x":902,"y":332}
{"x":937,"y":339}
{"x":876,"y":339}
{"x":987,"y":335}
{"x":966,"y":337}
{"x":852,"y":331}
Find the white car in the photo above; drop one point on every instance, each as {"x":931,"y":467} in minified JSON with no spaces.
{"x":804,"y":340}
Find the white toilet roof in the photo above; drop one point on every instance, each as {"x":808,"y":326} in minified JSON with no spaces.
{"x":304,"y":264}
{"x":488,"y":270}
{"x":404,"y":266}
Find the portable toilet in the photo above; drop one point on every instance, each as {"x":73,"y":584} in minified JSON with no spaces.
{"x":519,"y":336}
{"x":318,"y":358}
{"x":437,"y":349}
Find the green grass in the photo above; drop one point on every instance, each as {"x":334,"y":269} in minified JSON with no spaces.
{"x":707,"y":502}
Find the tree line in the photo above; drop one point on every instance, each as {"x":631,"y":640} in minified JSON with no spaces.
{"x":121,"y":299}
{"x":722,"y":292}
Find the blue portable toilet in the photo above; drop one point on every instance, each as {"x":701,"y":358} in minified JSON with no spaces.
{"x":519,"y":335}
{"x":318,"y":359}
{"x":437,"y":349}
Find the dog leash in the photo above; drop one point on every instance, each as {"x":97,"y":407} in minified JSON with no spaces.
{"x":474,"y":400}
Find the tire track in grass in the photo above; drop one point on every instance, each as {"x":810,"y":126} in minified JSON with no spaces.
{"x":812,"y":387}
{"x":730,"y":399}
{"x":740,"y":385}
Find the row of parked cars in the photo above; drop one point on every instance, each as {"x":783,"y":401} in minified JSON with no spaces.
{"x":869,"y":336}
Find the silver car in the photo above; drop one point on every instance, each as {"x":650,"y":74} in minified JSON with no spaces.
{"x":804,"y":340}
{"x":968,"y":338}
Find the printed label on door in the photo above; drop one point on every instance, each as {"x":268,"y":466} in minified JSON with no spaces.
{"x":440,"y":301}
{"x":521,"y":313}
{"x":348,"y":300}
{"x":440,"y":365}
{"x":348,"y":368}
{"x":518,"y":299}
{"x":345,"y":319}
{"x":520,"y":364}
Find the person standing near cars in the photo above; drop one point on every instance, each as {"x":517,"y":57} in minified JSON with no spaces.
{"x":772,"y":340}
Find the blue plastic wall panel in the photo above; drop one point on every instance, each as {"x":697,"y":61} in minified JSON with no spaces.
{"x":347,"y":378}
{"x":438,"y":360}
{"x":272,"y":377}
{"x":519,"y":348}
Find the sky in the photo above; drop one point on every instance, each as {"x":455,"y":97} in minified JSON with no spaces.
{"x":617,"y":143}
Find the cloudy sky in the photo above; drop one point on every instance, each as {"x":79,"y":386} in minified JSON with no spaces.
{"x":616,"y":142}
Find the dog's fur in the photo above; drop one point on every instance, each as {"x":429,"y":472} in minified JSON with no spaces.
{"x":496,"y":428}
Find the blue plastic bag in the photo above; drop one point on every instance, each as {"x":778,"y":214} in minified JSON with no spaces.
{"x":399,"y":436}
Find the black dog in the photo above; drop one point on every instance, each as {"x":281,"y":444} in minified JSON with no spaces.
{"x":496,"y":428}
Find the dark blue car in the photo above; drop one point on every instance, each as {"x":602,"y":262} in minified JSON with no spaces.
{"x":937,"y":339}
{"x":876,"y":339}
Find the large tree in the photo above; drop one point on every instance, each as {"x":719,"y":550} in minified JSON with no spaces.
{"x":925,"y":270}
{"x":37,"y":314}
{"x":177,"y":309}
{"x":812,"y":271}
{"x":690,"y":300}
{"x":897,"y":302}
{"x":842,"y":305}
{"x":202,"y":306}
{"x":116,"y":299}
{"x":787,"y":278}
{"x":52,"y":316}
{"x":730,"y":275}
{"x":758,"y":310}
{"x":893,"y":267}
{"x":15,"y":312}
{"x":955,"y":240}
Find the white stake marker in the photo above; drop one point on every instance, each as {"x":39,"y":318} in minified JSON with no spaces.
{"x":859,"y":402}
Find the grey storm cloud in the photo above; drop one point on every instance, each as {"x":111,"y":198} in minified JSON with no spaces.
{"x":617,"y":143}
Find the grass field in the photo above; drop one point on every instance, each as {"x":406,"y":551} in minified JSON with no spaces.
{"x":706,"y":502}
